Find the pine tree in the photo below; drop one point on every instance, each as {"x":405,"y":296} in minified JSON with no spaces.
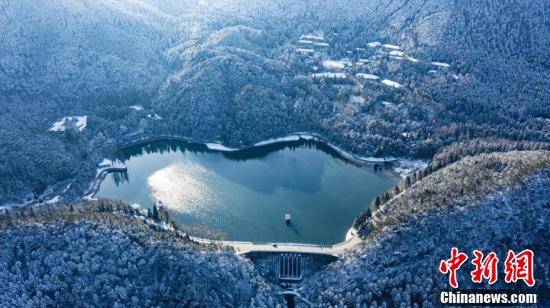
{"x":377,"y":203}
{"x":149,"y":214}
{"x":419,"y":175}
{"x":396,"y":190}
{"x":166,"y":217}
{"x":408,"y":181}
{"x":156,"y":216}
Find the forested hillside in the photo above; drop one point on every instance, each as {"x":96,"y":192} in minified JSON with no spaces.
{"x":378,"y":78}
{"x":495,"y":202}
{"x":104,"y":253}
{"x":71,"y":58}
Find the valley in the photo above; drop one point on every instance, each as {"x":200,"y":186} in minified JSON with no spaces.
{"x":422,"y":125}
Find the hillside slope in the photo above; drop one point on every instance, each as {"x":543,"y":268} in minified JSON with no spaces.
{"x":490,"y":202}
{"x":103,"y":253}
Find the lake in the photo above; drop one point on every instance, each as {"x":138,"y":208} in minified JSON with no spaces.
{"x":244,"y":195}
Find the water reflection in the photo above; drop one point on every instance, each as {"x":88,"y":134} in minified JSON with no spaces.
{"x":244,"y":195}
{"x":306,"y":172}
{"x":121,"y":178}
{"x":284,"y":170}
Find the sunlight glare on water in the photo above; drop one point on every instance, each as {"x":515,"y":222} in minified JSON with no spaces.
{"x":184,"y":187}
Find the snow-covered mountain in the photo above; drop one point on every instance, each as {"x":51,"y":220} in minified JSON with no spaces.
{"x":83,"y":48}
{"x":232,"y":71}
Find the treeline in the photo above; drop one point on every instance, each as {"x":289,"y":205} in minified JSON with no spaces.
{"x":445,"y":157}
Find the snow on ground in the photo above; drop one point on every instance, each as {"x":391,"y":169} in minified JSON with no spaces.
{"x":366,"y":76}
{"x":407,"y":166}
{"x":357,"y":99}
{"x":305,"y":42}
{"x":328,"y":75}
{"x":136,"y":107}
{"x":219,"y":147}
{"x":335,"y":64}
{"x":138,"y":207}
{"x":374,"y":44}
{"x":276,"y":140}
{"x":305,"y":50}
{"x":118,"y":164}
{"x":352,"y":232}
{"x":307,"y":137}
{"x":54,"y":200}
{"x":391,"y":83}
{"x":323,"y":44}
{"x":441,"y":64}
{"x":397,"y":53}
{"x":80,"y":122}
{"x":312,"y":37}
{"x":390,"y":46}
{"x":154,"y":116}
{"x":388,"y":104}
{"x":105,"y":163}
{"x":414,"y":60}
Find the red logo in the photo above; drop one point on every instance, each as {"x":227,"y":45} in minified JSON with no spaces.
{"x":452,"y":265}
{"x":517,"y":267}
{"x":484,"y":268}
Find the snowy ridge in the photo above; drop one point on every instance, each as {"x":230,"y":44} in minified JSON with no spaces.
{"x":60,"y":126}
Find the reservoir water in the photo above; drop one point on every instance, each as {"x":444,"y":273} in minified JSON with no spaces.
{"x":244,"y":195}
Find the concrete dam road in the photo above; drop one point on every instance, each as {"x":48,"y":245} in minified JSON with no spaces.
{"x":248,"y":247}
{"x":288,"y":262}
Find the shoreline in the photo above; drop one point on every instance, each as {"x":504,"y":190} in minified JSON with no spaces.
{"x":305,"y":136}
{"x":219,"y":147}
{"x":404,"y":167}
{"x":351,"y":237}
